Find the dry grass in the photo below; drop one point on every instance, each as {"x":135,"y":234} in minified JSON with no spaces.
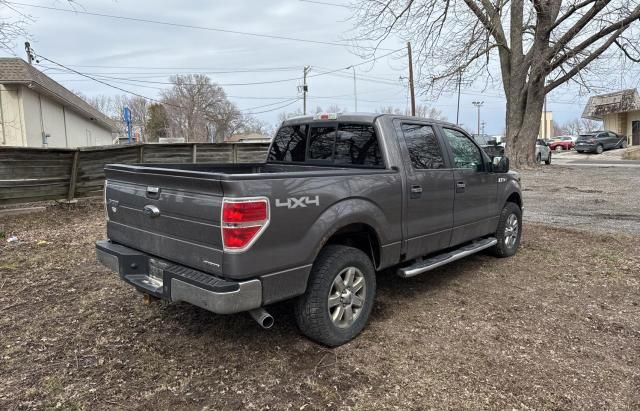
{"x":555,"y":327}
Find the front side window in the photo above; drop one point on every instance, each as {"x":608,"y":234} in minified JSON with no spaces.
{"x":424,"y":150}
{"x":357,"y":144}
{"x":289,"y":144}
{"x":321,"y":143}
{"x":465,"y":153}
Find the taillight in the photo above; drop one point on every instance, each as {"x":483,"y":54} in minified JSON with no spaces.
{"x":242,"y":222}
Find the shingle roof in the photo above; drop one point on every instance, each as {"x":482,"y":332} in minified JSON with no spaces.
{"x":617,"y":102}
{"x":18,"y":71}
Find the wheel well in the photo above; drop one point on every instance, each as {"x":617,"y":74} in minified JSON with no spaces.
{"x":360,"y":236}
{"x":515,"y":198}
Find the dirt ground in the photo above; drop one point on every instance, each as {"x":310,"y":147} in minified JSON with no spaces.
{"x":555,"y":327}
{"x":597,"y":199}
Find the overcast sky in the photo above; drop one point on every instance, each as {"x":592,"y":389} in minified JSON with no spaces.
{"x":140,"y":51}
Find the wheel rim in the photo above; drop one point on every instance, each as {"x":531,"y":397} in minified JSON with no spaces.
{"x":346,"y":297}
{"x":511,"y":229}
{"x":599,"y":149}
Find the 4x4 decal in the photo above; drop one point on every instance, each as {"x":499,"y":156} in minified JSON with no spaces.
{"x":294,"y":202}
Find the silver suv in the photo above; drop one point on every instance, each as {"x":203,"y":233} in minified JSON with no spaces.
{"x":543,"y":153}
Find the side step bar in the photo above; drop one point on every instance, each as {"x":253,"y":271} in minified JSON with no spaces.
{"x":442,"y":259}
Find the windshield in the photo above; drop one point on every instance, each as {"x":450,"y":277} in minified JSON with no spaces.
{"x":583,"y":137}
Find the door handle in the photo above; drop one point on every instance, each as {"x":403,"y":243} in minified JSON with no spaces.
{"x":416,"y":191}
{"x":460,"y":186}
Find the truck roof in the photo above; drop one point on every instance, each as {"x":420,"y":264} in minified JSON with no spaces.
{"x":360,"y":117}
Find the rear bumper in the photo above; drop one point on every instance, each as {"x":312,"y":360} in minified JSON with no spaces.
{"x":173,"y":282}
{"x":586,"y":147}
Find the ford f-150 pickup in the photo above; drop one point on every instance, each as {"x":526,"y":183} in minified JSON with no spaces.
{"x":339,"y":198}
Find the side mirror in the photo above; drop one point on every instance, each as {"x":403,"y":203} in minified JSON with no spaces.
{"x":500,"y":164}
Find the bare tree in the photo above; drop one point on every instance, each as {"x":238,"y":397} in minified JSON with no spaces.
{"x":580,"y":125}
{"x":422,"y":110}
{"x":531,"y":47}
{"x":199,"y":109}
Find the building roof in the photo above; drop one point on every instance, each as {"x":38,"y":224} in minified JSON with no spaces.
{"x":237,"y":138}
{"x":18,"y":71}
{"x":617,"y":102}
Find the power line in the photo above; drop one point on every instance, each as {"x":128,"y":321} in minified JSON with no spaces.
{"x":105,"y":77}
{"x":326,"y":3}
{"x":187,"y":26}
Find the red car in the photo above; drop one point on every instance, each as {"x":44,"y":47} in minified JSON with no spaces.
{"x":564,"y":143}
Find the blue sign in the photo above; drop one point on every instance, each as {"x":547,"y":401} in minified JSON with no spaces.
{"x":127,"y":115}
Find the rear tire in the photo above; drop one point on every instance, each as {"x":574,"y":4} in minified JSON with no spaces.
{"x":599,"y":149}
{"x":509,"y":231}
{"x":333,"y":311}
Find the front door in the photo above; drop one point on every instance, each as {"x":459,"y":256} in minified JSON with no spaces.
{"x":635,"y":133}
{"x":429,"y":209}
{"x":475,"y":211}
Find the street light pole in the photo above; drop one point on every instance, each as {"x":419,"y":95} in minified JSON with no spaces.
{"x":478,"y":104}
{"x":355,"y":91}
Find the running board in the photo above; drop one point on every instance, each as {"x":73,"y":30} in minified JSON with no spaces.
{"x":442,"y":259}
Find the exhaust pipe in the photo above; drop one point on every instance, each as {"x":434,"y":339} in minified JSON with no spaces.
{"x":262,"y":317}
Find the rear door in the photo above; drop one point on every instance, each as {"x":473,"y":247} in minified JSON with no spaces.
{"x":169,"y":214}
{"x":429,"y":210}
{"x":476,"y":188}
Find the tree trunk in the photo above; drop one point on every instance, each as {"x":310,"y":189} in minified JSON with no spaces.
{"x":525,"y":102}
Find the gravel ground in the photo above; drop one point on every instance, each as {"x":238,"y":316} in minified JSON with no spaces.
{"x":596,"y":199}
{"x":535,"y":331}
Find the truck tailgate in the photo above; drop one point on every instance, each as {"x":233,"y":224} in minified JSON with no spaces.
{"x":170,"y":214}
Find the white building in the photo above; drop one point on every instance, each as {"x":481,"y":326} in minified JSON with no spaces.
{"x":36,"y":111}
{"x":620,"y":112}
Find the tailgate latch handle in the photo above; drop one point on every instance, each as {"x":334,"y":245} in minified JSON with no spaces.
{"x":151,"y":211}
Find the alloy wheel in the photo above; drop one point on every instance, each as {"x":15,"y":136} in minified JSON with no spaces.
{"x":346,"y":297}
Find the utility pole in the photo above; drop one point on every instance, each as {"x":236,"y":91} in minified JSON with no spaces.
{"x":305,"y":88}
{"x":459,"y":86}
{"x":355,"y":91}
{"x":411,"y":86}
{"x":478,"y":104}
{"x":545,"y":131}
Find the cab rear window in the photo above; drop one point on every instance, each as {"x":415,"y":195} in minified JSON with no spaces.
{"x":348,"y":144}
{"x":290,"y":144}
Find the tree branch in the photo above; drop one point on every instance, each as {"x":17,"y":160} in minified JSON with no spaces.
{"x":594,"y":54}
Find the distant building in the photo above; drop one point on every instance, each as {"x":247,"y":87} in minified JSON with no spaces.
{"x":620,"y":112}
{"x":36,"y":111}
{"x":249,"y":138}
{"x":546,"y":125}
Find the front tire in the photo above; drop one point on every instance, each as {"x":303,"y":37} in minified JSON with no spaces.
{"x":539,"y":158}
{"x":509,"y":231}
{"x":339,"y":297}
{"x":548,"y":160}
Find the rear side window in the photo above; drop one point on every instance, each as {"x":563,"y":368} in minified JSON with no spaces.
{"x":424,"y":150}
{"x":357,"y":144}
{"x":290,"y":144}
{"x":321,"y":143}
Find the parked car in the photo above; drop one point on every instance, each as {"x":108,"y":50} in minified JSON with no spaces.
{"x":339,"y":198}
{"x":599,"y":141}
{"x":561,"y":143}
{"x":542,"y":153}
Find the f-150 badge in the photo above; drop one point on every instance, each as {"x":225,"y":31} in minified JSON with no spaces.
{"x":294,"y":202}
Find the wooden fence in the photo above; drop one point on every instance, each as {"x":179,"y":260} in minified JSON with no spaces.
{"x":36,"y":174}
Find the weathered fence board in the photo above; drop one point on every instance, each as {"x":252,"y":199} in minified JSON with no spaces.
{"x":36,"y":174}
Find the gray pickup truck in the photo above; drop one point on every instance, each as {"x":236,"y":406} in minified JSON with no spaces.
{"x":339,"y":198}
